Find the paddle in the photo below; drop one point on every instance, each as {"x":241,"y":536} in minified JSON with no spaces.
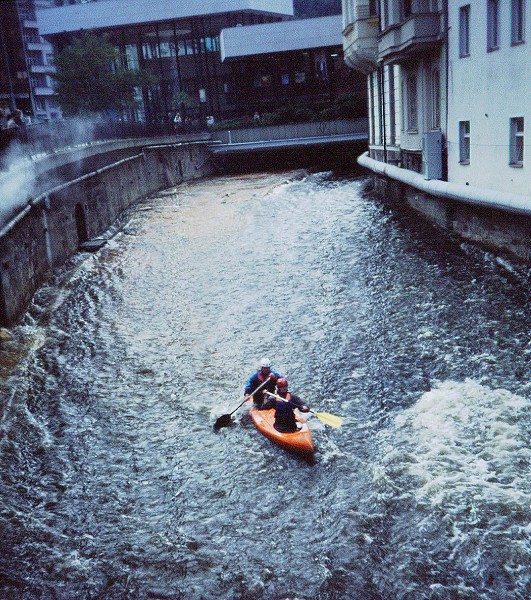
{"x":326,"y":418}
{"x":226,"y":420}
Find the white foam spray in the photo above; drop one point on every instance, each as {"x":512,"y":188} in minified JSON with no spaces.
{"x":459,"y":460}
{"x":17,"y":183}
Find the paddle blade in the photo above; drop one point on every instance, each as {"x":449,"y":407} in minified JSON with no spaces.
{"x":328,"y":419}
{"x":223,"y":421}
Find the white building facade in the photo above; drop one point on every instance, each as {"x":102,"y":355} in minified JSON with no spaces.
{"x":449,"y":86}
{"x":489,"y":95}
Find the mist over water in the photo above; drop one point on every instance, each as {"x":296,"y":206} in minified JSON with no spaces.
{"x":19,"y":171}
{"x":17,"y":181}
{"x":113,"y":484}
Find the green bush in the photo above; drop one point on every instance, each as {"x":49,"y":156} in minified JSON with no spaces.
{"x":345,"y":107}
{"x":236,"y":123}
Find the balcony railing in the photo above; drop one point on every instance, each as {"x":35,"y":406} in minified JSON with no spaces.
{"x":42,"y":68}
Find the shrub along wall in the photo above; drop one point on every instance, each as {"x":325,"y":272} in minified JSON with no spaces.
{"x":52,"y":227}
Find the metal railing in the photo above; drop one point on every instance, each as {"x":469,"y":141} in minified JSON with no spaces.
{"x":292,"y":131}
{"x":47,"y":138}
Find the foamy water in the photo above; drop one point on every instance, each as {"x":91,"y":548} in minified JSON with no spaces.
{"x":461,"y":456}
{"x":113,"y":484}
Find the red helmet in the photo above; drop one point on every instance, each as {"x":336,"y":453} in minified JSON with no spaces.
{"x":282,"y":383}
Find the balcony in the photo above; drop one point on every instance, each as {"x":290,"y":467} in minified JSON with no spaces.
{"x":43,"y":91}
{"x":46,"y":69}
{"x":360,"y":40}
{"x":419,"y":32}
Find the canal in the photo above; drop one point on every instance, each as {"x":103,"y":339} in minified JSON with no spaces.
{"x":113,"y":484}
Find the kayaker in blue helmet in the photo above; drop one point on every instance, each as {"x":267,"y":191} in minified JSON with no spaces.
{"x":263,"y":373}
{"x":284,"y":409}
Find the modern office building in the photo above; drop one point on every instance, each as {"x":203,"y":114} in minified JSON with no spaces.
{"x":449,"y":86}
{"x":291,"y":64}
{"x":227,"y":58}
{"x":25,"y":61}
{"x":178,"y":42}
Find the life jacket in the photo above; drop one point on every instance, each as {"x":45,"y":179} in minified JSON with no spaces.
{"x":284,"y":415}
{"x":284,"y":408}
{"x":270,"y":386}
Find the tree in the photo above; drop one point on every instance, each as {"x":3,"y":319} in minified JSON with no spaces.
{"x":90,"y":78}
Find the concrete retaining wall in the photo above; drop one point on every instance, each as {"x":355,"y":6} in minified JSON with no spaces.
{"x":51,"y":227}
{"x":493,"y":228}
{"x":497,"y":220}
{"x":293,"y":131}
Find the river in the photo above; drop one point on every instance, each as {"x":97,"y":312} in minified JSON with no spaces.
{"x":113,"y":484}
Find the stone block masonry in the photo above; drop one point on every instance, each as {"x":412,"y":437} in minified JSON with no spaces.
{"x":502,"y":232}
{"x":50,"y":229}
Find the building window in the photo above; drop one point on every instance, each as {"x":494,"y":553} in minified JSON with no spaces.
{"x":406,"y":9}
{"x":372,"y":111}
{"x":464,"y":142}
{"x":464,"y":31}
{"x":35,"y":58}
{"x":435,"y":99}
{"x":392,"y":105}
{"x":321,"y":66}
{"x":411,"y":95}
{"x":373,"y":9}
{"x":263,"y":81}
{"x":385,"y":17}
{"x":516,"y":149}
{"x":493,"y":25}
{"x":518,"y":21}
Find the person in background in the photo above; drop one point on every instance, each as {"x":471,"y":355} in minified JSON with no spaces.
{"x":3,"y":118}
{"x":263,"y":373}
{"x":178,"y":120}
{"x":16,"y":119}
{"x":285,"y":409}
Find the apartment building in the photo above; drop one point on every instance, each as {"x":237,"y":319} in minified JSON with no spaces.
{"x":489,"y":95}
{"x":26,"y":62}
{"x":400,"y":45}
{"x":449,"y":86}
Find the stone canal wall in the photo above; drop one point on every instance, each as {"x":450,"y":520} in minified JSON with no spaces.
{"x":498,"y":221}
{"x":51,"y":227}
{"x":499,"y":230}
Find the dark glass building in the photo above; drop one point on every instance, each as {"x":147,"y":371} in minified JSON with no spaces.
{"x":178,"y":43}
{"x":293,"y":64}
{"x":217,"y":58}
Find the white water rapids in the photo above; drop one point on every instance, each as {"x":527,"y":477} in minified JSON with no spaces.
{"x":113,"y":484}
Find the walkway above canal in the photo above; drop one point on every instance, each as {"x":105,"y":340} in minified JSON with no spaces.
{"x":290,"y":137}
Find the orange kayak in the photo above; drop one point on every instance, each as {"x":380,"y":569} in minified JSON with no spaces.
{"x":299,"y":442}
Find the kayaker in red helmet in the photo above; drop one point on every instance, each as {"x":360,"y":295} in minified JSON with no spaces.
{"x":263,"y":373}
{"x":284,"y":409}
